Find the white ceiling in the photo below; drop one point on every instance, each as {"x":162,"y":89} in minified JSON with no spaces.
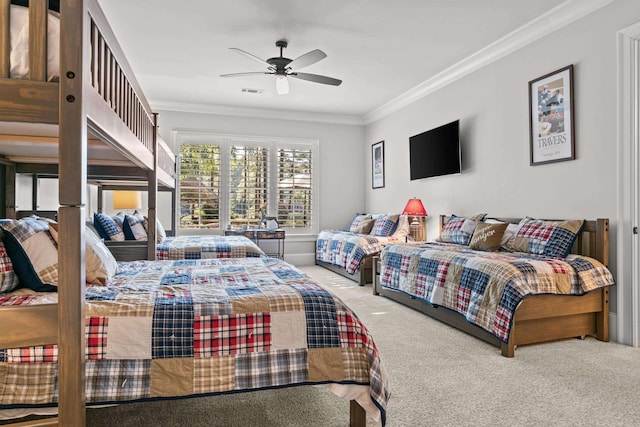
{"x":379,"y":49}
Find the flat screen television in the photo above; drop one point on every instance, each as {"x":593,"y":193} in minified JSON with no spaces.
{"x":435,"y":152}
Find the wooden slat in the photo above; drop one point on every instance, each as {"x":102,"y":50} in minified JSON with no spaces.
{"x":47,"y":422}
{"x":5,"y":38}
{"x":38,"y":40}
{"x":31,"y":325}
{"x":28,"y":101}
{"x":558,"y":305}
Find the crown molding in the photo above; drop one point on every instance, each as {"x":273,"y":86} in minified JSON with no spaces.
{"x":547,"y":23}
{"x":304,"y":116}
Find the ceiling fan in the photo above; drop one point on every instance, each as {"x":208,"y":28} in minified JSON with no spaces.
{"x":283,"y":67}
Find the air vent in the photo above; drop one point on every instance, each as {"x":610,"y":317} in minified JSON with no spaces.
{"x":250,"y":90}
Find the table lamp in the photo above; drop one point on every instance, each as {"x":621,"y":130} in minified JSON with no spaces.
{"x":417,"y":216}
{"x":127,"y":199}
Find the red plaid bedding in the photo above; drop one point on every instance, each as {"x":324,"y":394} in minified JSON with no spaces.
{"x":192,"y":327}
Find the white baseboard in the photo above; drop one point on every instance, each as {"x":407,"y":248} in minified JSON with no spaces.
{"x":613,"y":327}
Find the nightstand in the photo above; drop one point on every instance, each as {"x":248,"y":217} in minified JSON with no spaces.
{"x":261,"y":234}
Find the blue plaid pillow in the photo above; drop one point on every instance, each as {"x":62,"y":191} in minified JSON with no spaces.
{"x":107,"y":227}
{"x":385,"y":225}
{"x":459,"y":230}
{"x":548,"y":238}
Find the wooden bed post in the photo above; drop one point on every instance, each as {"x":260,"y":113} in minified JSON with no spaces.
{"x":153,"y":195}
{"x":74,"y":78}
{"x":10,"y":194}
{"x":357,"y":415}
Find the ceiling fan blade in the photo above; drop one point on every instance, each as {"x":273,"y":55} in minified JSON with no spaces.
{"x":317,"y":78}
{"x":250,"y":56}
{"x":252,"y":73}
{"x":307,"y":59}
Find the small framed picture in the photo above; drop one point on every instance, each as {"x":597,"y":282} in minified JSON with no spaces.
{"x":551,"y":129}
{"x":377,"y":164}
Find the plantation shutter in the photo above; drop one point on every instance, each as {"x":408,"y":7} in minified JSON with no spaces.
{"x":248,"y":184}
{"x":200,"y":186}
{"x":294,"y":189}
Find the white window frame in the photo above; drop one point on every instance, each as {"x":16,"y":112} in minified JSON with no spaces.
{"x":226,"y":141}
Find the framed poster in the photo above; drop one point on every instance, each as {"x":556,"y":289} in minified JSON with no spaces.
{"x":377,"y":164}
{"x":551,"y":130}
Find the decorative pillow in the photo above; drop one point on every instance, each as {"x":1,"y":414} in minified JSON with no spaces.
{"x":508,"y":232}
{"x":100,"y":264}
{"x":160,"y":233}
{"x":357,"y":222}
{"x":33,"y":252}
{"x":402,"y":230}
{"x":487,"y":237}
{"x":119,"y":219}
{"x":8,"y":278}
{"x":107,"y":227}
{"x":134,"y":228}
{"x":549,"y":238}
{"x":459,"y":230}
{"x":385,"y":225}
{"x":364,"y":227}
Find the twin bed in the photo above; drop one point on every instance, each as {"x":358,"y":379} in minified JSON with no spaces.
{"x":508,"y":298}
{"x":228,"y":325}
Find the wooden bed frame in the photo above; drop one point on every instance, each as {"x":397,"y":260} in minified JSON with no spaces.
{"x":538,"y":318}
{"x":362,"y":276}
{"x":97,"y":95}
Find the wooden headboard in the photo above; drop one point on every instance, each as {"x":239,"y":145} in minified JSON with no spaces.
{"x":592,"y":241}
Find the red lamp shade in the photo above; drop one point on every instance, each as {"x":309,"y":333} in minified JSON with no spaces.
{"x":414,"y":208}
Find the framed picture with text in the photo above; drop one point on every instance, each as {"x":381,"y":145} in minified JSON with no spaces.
{"x":551,"y":130}
{"x":377,"y":164}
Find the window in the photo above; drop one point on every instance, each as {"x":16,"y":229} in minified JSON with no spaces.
{"x":234,"y":180}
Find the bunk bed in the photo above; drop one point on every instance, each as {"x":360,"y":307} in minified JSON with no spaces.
{"x":94,"y":114}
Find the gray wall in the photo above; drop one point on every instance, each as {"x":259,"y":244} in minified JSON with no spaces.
{"x":342,"y":168}
{"x":492,"y":105}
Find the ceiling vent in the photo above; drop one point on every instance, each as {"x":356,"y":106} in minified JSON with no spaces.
{"x":250,"y":90}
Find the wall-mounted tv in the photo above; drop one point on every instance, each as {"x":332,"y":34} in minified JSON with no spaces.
{"x":435,"y":152}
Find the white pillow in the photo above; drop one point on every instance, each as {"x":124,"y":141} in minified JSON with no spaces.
{"x":100,"y":264}
{"x":19,"y":59}
{"x":403,"y":227}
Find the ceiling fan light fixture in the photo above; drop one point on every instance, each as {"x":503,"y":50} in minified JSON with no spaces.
{"x":282,"y":85}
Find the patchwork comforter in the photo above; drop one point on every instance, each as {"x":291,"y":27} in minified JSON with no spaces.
{"x":347,"y":250}
{"x":200,"y":327}
{"x":209,"y":246}
{"x":485,"y":287}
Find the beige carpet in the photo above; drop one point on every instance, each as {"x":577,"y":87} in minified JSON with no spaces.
{"x":439,"y":377}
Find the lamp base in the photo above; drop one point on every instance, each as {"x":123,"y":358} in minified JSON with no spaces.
{"x":417,"y":229}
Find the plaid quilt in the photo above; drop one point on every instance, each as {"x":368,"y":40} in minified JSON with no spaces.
{"x":200,"y":247}
{"x":202,"y":327}
{"x":346,"y":249}
{"x":485,"y":287}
